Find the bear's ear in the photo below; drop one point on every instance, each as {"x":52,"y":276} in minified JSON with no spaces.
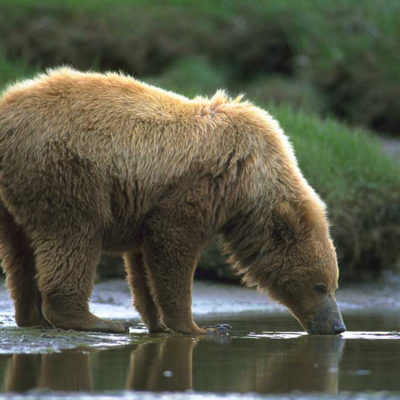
{"x":292,"y":220}
{"x":285,"y":222}
{"x":313,"y":215}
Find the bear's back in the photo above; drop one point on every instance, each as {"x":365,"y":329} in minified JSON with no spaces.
{"x":114,"y":120}
{"x":66,"y":92}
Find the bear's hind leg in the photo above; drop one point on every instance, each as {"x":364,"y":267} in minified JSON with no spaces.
{"x":142,"y":297}
{"x":19,"y":266}
{"x":66,"y":263}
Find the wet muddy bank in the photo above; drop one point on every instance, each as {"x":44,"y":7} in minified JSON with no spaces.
{"x":212,"y":302}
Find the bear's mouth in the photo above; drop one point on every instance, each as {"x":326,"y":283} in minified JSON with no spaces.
{"x":327,"y":319}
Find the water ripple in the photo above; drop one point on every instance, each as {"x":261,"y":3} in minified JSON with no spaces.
{"x":347,"y":335}
{"x":371,"y":335}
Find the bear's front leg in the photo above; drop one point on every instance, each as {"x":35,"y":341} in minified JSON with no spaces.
{"x":138,"y":279}
{"x":171,"y":247}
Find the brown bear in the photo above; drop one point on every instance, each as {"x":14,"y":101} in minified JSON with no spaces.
{"x":93,"y":163}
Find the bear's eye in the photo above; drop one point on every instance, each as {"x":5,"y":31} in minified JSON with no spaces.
{"x":320,"y":288}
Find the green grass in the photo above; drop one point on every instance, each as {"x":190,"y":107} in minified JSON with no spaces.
{"x":379,"y":17}
{"x":11,"y":71}
{"x":191,"y":75}
{"x":345,"y":51}
{"x":338,"y":160}
{"x":277,"y":89}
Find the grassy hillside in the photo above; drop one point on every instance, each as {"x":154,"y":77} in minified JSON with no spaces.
{"x":346,"y":52}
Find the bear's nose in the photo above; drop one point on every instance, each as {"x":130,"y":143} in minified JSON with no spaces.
{"x":338,"y":328}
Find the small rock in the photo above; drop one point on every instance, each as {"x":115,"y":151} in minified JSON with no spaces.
{"x":168,"y":374}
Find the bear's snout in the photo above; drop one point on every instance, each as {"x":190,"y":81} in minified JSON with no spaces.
{"x":327,"y":319}
{"x":338,"y":327}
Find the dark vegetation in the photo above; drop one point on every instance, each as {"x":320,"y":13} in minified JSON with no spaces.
{"x":346,"y":53}
{"x":297,"y":59}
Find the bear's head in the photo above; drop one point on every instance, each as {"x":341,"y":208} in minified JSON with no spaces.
{"x":305,"y":275}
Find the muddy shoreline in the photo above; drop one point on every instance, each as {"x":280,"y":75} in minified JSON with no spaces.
{"x":211,"y":302}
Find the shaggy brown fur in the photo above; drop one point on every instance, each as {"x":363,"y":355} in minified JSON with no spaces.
{"x":92,"y":162}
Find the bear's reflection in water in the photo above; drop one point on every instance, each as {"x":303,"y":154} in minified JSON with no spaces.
{"x":68,"y":371}
{"x":310,"y":365}
{"x":162,"y":366}
{"x":306,"y":363}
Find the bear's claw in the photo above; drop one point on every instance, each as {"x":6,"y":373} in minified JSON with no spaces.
{"x":218,"y":330}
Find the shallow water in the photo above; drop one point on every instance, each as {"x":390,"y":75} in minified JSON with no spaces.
{"x":278,"y":360}
{"x":265,"y":355}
